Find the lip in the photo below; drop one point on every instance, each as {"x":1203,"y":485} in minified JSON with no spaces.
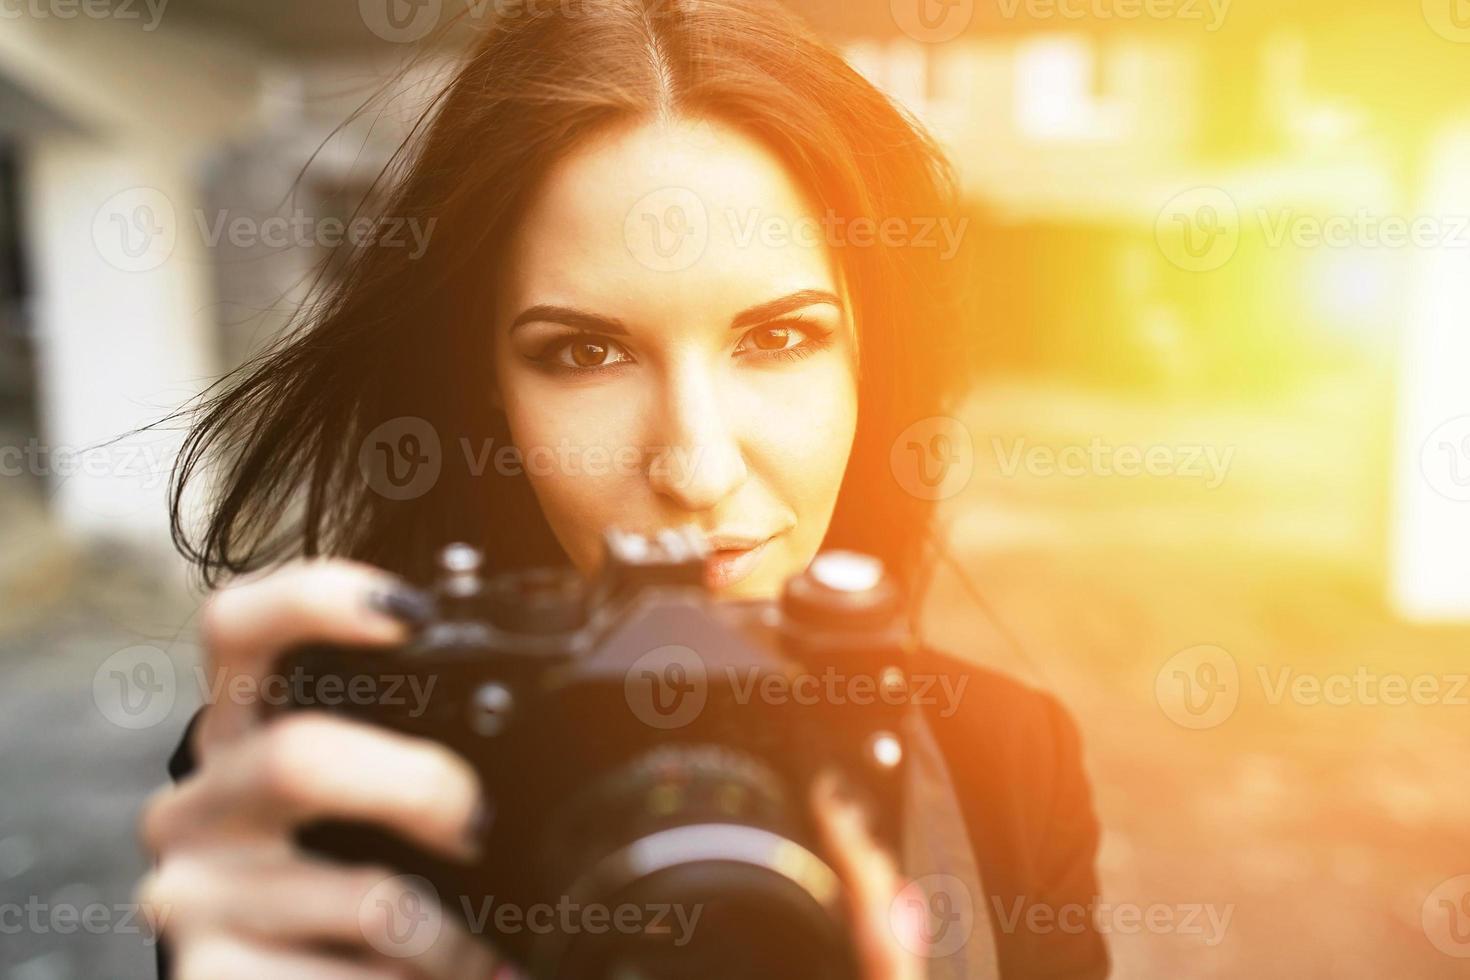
{"x":728,"y":566}
{"x":734,"y":540}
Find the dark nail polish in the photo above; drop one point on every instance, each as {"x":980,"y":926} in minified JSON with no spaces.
{"x":478,"y":827}
{"x":404,"y":603}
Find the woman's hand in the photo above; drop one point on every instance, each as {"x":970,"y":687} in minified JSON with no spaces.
{"x":887,"y":934}
{"x":232,"y":894}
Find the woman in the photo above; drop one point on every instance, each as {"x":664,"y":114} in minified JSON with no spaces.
{"x":648,"y":250}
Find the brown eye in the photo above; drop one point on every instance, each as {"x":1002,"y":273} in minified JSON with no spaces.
{"x":588,"y":353}
{"x":772,"y":338}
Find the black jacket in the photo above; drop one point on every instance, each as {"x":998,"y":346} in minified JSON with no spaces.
{"x":1016,"y":760}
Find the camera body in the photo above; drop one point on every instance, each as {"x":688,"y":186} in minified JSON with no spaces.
{"x":642,"y":744}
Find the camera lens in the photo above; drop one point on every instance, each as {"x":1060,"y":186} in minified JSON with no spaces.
{"x":703,"y":852}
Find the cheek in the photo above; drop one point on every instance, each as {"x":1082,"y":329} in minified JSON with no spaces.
{"x":581,"y":460}
{"x":805,"y":438}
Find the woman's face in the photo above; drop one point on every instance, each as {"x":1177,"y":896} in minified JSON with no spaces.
{"x":673,"y":345}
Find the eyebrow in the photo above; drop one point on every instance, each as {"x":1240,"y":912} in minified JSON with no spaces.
{"x":611,"y":326}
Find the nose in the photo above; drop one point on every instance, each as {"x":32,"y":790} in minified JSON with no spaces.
{"x":696,"y":461}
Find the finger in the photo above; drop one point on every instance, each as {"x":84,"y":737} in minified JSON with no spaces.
{"x":247,"y":625}
{"x":872,"y":881}
{"x":310,"y":767}
{"x":222,"y":956}
{"x":372,"y":914}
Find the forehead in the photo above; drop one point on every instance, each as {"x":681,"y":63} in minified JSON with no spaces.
{"x":668,"y":217}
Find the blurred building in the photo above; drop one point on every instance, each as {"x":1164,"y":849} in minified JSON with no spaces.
{"x":1131,"y":179}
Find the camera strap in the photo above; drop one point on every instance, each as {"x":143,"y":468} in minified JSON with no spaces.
{"x":939,"y":862}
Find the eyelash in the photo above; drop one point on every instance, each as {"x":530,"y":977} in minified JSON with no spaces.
{"x":816,"y":340}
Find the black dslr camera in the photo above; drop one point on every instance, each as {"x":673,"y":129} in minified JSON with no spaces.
{"x":644,"y":749}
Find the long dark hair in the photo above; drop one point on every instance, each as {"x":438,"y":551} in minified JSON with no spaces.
{"x":398,"y":334}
